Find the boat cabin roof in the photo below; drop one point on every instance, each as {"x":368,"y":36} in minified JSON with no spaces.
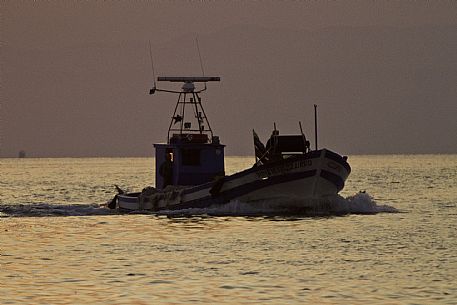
{"x":288,"y":143}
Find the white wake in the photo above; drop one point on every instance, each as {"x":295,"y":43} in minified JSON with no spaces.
{"x":360,"y":203}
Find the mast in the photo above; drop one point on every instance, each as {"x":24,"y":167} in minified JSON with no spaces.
{"x":190,"y":97}
{"x":315,"y":125}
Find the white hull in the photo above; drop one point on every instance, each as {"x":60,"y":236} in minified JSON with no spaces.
{"x":295,"y":183}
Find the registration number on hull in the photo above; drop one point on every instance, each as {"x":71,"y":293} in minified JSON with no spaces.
{"x":281,"y":169}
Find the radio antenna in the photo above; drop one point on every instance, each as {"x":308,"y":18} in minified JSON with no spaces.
{"x":153,"y":72}
{"x":200,"y":57}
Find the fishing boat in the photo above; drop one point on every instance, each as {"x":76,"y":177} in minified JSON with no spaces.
{"x":287,"y":175}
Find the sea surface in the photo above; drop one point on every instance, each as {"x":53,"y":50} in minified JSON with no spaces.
{"x":394,"y":240}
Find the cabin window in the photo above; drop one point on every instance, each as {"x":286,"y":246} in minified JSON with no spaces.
{"x":191,"y":157}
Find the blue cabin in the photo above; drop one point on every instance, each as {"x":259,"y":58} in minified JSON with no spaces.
{"x":192,"y":154}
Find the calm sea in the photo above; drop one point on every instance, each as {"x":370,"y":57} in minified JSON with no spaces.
{"x":396,"y":243}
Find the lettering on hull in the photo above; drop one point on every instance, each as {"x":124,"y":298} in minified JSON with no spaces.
{"x":284,"y":168}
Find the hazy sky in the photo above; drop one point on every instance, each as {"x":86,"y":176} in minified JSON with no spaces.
{"x":75,"y":75}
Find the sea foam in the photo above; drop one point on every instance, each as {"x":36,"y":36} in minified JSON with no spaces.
{"x":360,"y":203}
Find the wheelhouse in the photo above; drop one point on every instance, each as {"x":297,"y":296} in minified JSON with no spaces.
{"x":196,"y":154}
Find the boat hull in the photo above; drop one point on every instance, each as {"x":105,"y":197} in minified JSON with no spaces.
{"x":295,"y":183}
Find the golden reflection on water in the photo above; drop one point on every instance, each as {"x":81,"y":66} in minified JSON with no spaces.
{"x":129,"y":259}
